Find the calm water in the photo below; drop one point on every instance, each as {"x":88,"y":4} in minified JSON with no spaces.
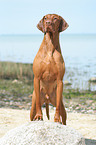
{"x":79,"y":52}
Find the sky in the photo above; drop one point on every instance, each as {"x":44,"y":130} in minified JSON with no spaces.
{"x":22,"y":16}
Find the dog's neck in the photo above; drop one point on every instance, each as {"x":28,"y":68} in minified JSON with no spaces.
{"x":52,"y":41}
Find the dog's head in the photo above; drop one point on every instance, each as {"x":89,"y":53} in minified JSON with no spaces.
{"x":52,"y":23}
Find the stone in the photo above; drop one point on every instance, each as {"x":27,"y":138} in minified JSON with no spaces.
{"x":92,"y":80}
{"x":45,"y":133}
{"x":67,"y":83}
{"x":14,"y":81}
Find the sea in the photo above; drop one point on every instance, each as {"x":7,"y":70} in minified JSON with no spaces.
{"x":78,"y":50}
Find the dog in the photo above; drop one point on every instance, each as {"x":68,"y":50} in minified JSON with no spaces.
{"x":49,"y":69}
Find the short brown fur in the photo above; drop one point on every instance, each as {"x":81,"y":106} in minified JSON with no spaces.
{"x":49,"y":69}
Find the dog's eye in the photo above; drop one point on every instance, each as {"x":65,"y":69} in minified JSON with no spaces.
{"x":45,"y":18}
{"x":55,"y":18}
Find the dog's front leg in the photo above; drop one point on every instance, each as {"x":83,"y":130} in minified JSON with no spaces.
{"x":58,"y":100}
{"x":38,"y":115}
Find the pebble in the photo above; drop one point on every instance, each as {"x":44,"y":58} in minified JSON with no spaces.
{"x":67,"y":83}
{"x":93,"y":79}
{"x":24,"y":102}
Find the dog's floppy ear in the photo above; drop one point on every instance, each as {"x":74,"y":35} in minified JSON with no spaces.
{"x":63,"y":25}
{"x":40,"y":25}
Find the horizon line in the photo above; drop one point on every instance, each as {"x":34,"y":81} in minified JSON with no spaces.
{"x":10,"y":34}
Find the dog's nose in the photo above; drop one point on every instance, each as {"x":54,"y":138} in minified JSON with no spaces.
{"x":48,"y":22}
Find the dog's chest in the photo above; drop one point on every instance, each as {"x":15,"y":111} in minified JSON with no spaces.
{"x":49,"y":68}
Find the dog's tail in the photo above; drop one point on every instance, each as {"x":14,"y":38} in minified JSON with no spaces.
{"x":47,"y":110}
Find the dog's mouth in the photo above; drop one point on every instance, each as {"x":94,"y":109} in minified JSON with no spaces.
{"x":49,"y":29}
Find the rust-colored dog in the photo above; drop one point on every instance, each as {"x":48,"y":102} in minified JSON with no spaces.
{"x":49,"y":69}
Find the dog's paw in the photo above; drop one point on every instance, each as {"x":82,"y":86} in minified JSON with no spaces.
{"x":57,"y":118}
{"x":38,"y":117}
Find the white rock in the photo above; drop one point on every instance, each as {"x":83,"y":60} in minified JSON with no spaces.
{"x":16,"y":81}
{"x":67,"y":83}
{"x":42,"y":133}
{"x":93,"y":79}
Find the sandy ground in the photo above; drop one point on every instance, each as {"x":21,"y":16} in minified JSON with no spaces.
{"x":84,"y":123}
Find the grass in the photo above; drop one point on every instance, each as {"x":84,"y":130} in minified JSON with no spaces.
{"x":11,"y":88}
{"x":23,"y":74}
{"x":15,"y":95}
{"x":10,"y":70}
{"x":75,"y":93}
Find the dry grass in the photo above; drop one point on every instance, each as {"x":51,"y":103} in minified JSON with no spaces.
{"x":10,"y":70}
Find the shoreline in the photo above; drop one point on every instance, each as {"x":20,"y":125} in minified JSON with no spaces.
{"x":15,"y":94}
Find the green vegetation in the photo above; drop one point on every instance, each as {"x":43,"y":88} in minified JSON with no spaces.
{"x":15,"y":88}
{"x":75,"y":93}
{"x":16,"y":84}
{"x":14,"y":76}
{"x":10,"y":70}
